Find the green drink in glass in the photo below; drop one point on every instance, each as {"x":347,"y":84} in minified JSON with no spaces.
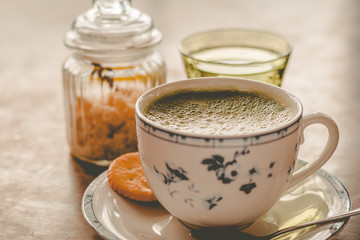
{"x":239,"y":53}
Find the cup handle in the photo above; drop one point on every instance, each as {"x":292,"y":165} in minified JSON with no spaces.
{"x":327,"y":151}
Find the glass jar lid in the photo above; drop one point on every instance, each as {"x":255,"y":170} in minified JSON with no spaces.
{"x":112,"y":26}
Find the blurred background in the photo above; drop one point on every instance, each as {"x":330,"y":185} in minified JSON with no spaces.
{"x":323,"y":71}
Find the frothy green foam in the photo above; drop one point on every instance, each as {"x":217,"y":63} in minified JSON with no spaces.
{"x":218,"y":112}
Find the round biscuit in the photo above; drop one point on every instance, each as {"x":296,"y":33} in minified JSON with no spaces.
{"x":126,"y":176}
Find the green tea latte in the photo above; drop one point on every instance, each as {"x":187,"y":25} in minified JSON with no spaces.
{"x":218,"y":112}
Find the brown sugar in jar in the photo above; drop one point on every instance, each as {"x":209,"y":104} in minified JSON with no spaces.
{"x":104,"y":130}
{"x":113,"y":63}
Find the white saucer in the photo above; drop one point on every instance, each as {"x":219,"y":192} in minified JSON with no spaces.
{"x":115,"y":217}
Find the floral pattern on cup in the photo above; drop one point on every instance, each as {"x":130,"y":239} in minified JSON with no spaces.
{"x":175,"y":175}
{"x":226,"y":171}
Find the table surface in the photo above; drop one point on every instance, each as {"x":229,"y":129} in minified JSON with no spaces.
{"x":41,"y":186}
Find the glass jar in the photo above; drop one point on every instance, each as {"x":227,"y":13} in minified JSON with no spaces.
{"x":112,"y":64}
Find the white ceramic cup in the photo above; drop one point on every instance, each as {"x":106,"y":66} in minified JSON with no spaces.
{"x":221,"y":181}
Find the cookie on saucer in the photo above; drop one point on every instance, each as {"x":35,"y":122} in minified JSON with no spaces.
{"x":126,"y":176}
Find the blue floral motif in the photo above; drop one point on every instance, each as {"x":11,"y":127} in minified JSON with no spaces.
{"x":247,"y":188}
{"x":212,"y":201}
{"x":289,"y":171}
{"x":225,"y":171}
{"x":177,"y":181}
{"x":173,"y":175}
{"x":272,"y":164}
{"x":252,"y":171}
{"x":189,"y":201}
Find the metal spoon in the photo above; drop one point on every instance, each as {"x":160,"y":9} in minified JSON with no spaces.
{"x":233,"y":234}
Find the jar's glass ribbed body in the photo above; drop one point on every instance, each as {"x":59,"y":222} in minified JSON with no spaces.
{"x":112,"y":64}
{"x":99,"y":101}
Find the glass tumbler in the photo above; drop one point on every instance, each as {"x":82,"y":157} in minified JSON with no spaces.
{"x":239,"y":53}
